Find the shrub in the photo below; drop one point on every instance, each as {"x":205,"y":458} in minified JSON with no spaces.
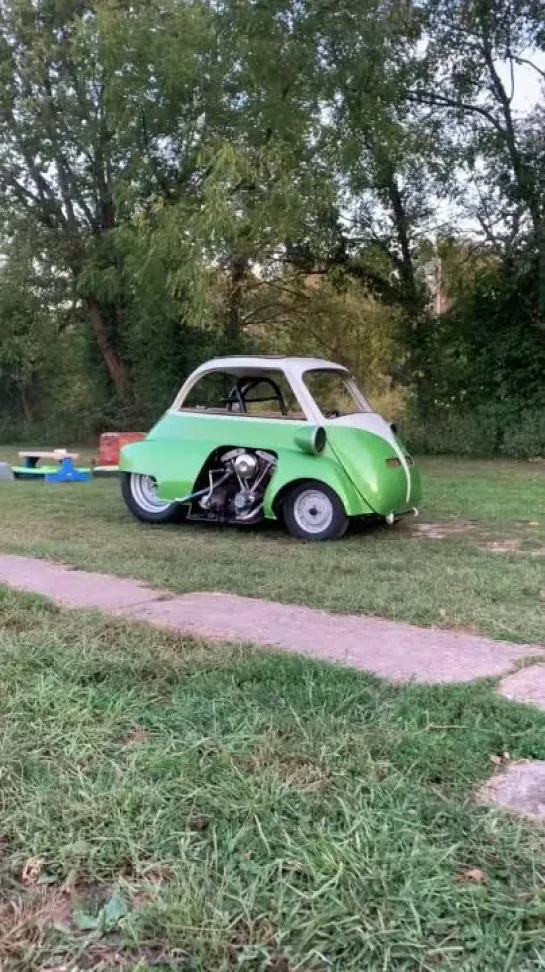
{"x":482,"y":433}
{"x":525,"y":439}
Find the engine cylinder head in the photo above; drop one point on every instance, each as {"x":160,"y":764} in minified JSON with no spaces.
{"x":246,"y":465}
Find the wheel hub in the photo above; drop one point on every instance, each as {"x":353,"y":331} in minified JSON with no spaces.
{"x":313,"y":511}
{"x":145,"y":492}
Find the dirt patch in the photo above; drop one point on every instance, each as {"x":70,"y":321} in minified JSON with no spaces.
{"x":26,"y":921}
{"x":479,"y":537}
{"x":473,"y":875}
{"x":279,"y":963}
{"x":106,"y":956}
{"x":441,"y":530}
{"x":301,"y":773}
{"x":518,"y":787}
{"x":247,"y":933}
{"x":137,"y":737}
{"x":33,"y":923}
{"x":32,"y":870}
{"x":294,"y":771}
{"x":501,"y":546}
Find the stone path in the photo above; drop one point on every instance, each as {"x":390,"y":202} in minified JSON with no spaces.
{"x":526,"y":685}
{"x":519,"y":787}
{"x":392,"y":650}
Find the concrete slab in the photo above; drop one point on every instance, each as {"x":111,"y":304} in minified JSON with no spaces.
{"x":73,"y":588}
{"x":526,"y":685}
{"x":520,"y":787}
{"x":399,"y":652}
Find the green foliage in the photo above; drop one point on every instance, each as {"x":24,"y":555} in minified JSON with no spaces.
{"x":178,"y":170}
{"x":453,"y":432}
{"x":526,"y":437}
{"x":481,"y":389}
{"x":26,"y":332}
{"x":480,"y":433}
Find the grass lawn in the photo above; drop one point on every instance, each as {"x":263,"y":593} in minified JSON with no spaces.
{"x":170,"y":805}
{"x":458,"y":581}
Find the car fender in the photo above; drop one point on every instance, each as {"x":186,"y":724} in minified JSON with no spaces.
{"x":175,"y":464}
{"x":294,"y":467}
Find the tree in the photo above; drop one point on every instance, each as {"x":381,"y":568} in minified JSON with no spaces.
{"x":82,"y":121}
{"x":262,"y":179}
{"x":28,"y":321}
{"x":376,"y":141}
{"x":475,"y":48}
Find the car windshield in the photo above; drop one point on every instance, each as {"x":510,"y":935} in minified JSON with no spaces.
{"x":335,"y":392}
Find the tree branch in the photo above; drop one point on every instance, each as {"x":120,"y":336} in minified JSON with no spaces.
{"x":446,"y":102}
{"x":524,"y":60}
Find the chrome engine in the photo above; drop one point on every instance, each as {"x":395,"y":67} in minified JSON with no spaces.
{"x":236,"y":488}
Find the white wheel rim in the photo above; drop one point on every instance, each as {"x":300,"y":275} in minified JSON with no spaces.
{"x":313,"y":511}
{"x":144,"y":492}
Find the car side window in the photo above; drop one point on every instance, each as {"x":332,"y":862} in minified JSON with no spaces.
{"x":210,"y":392}
{"x":258,"y":396}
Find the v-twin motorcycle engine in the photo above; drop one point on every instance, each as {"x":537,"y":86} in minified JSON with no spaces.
{"x":246,"y":465}
{"x":237,"y":489}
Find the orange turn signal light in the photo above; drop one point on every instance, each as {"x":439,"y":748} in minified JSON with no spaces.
{"x":394,"y":461}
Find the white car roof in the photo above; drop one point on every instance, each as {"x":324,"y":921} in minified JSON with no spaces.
{"x":255,"y":365}
{"x":248,"y":363}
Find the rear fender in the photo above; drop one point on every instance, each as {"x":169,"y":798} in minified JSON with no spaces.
{"x":295,"y":467}
{"x":175,"y":465}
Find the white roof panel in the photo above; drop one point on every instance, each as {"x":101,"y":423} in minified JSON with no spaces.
{"x":266,"y":362}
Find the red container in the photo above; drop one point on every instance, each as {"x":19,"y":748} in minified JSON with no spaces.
{"x":111,"y":444}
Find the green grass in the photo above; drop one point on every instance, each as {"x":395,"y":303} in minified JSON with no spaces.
{"x":167,"y":804}
{"x":389,"y":572}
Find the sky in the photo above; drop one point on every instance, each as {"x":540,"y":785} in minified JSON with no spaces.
{"x":528,"y":84}
{"x":529,"y":90}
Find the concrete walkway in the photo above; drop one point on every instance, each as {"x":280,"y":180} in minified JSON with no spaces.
{"x":390,"y":649}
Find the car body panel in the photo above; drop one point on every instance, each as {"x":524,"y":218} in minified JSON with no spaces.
{"x":179,"y":445}
{"x":365,"y":456}
{"x":363,"y":461}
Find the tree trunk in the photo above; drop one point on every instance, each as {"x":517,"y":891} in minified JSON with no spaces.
{"x":25,"y":402}
{"x":524,"y":177}
{"x":233,"y":321}
{"x":118,"y":369}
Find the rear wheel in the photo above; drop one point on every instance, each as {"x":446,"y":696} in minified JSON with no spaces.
{"x":141,"y":496}
{"x":313,"y":511}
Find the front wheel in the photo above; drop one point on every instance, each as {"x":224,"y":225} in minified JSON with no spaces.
{"x":141,"y":497}
{"x":313,"y":511}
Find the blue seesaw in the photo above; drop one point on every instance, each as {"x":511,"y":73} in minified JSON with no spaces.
{"x":67,"y":473}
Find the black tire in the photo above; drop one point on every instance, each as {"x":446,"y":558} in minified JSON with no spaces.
{"x":132,"y":492}
{"x":328,"y":521}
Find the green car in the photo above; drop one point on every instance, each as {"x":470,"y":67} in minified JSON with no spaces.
{"x":252,"y":438}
